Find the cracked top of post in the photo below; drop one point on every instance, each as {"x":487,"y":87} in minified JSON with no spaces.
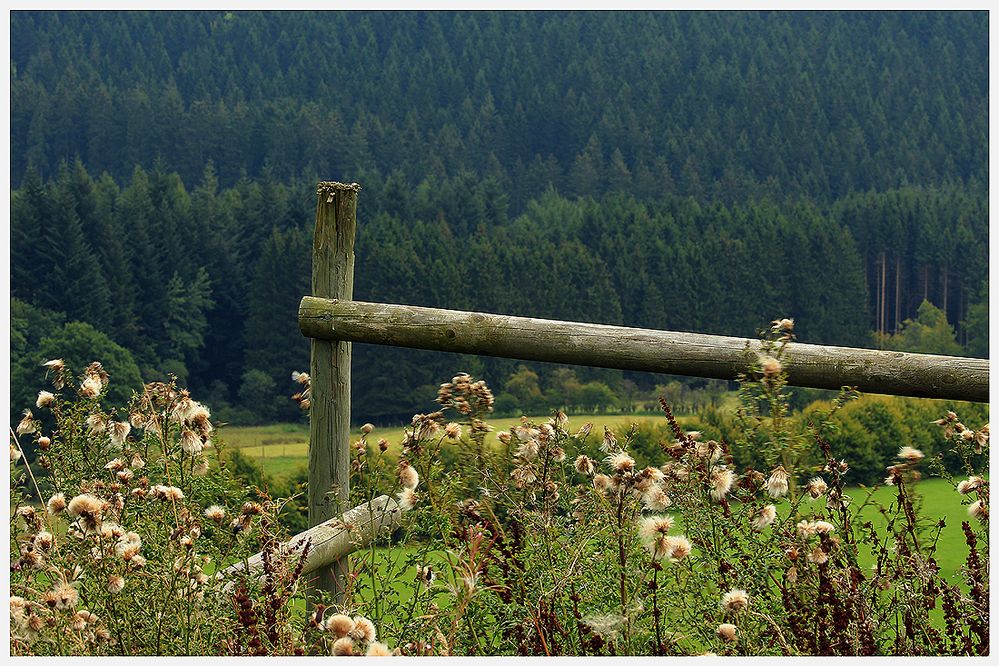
{"x":329,"y":187}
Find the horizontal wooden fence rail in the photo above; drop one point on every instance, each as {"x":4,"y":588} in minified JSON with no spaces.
{"x":676,"y":353}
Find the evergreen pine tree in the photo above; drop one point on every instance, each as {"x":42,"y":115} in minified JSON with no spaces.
{"x":72,"y":280}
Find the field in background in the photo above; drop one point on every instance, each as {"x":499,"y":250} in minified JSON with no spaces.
{"x":282,"y":448}
{"x":939,"y":500}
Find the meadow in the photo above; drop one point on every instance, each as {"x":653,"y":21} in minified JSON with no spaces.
{"x":937,"y":497}
{"x":172,"y":182}
{"x":281,"y":450}
{"x":555,"y":540}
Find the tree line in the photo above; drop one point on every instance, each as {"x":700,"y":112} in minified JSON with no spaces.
{"x":205,"y":284}
{"x":693,"y":171}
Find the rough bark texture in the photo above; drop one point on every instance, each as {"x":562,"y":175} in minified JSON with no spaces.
{"x":329,"y":444}
{"x":895,"y":373}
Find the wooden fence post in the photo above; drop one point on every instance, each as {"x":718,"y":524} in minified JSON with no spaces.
{"x":329,"y":416}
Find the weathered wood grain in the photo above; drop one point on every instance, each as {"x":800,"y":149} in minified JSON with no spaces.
{"x":329,"y":417}
{"x":332,"y":540}
{"x":693,"y":354}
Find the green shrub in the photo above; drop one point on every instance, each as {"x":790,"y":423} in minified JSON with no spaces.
{"x":869,"y":432}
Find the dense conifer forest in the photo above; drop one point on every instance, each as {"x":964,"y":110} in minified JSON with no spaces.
{"x":696,"y":171}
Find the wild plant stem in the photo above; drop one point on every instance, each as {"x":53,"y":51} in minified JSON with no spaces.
{"x":779,"y":634}
{"x":655,"y":610}
{"x":622,"y":557}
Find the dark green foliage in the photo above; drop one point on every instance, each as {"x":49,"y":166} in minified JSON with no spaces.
{"x":51,"y":257}
{"x":185,"y":318}
{"x":522,"y":393}
{"x":667,"y":264}
{"x":257,"y":393}
{"x":274,"y":346}
{"x":977,"y":324}
{"x":523,"y":388}
{"x":247,"y":471}
{"x":916,"y":244}
{"x":820,"y":103}
{"x":28,"y":326}
{"x":686,"y":171}
{"x":869,"y":432}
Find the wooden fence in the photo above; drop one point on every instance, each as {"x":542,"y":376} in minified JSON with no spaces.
{"x":333,"y":321}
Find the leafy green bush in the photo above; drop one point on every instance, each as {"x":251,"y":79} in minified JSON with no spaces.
{"x":928,"y":333}
{"x":38,"y":335}
{"x":869,"y":432}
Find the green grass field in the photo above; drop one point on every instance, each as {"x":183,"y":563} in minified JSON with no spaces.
{"x":938,"y":500}
{"x":283,"y":448}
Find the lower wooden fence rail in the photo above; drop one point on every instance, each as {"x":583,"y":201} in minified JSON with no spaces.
{"x":333,"y":321}
{"x":332,"y":540}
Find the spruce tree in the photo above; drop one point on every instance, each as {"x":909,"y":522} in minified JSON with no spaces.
{"x":72,"y":280}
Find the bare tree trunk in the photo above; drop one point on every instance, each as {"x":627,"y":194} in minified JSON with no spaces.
{"x":867,"y":281}
{"x":884,"y":274}
{"x":877,"y":299}
{"x":898,"y":290}
{"x":962,"y":305}
{"x":945,"y":289}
